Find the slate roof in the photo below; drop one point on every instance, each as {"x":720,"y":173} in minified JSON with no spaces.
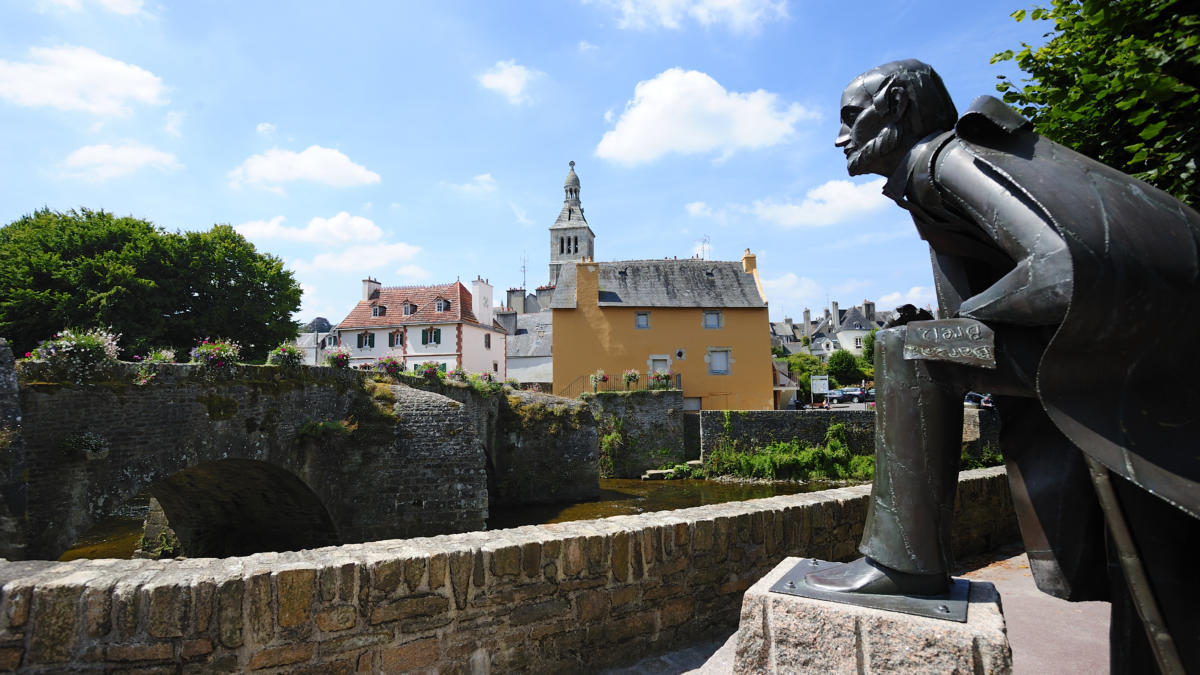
{"x":424,"y":297}
{"x":665,"y":283}
{"x":854,"y":319}
{"x":534,"y":336}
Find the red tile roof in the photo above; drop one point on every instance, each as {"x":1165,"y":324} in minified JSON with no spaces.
{"x":424,"y":297}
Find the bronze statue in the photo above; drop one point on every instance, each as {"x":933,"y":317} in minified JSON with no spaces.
{"x":1090,"y":281}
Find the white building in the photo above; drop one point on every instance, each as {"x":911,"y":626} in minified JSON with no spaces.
{"x":445,"y":324}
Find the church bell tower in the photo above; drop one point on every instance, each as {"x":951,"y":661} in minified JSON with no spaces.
{"x":570,"y":237}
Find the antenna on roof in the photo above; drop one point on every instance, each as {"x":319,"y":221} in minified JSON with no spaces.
{"x":524,"y":259}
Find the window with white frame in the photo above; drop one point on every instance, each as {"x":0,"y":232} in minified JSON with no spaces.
{"x":641,"y":320}
{"x":718,"y":360}
{"x":712,"y":319}
{"x":378,"y":310}
{"x":858,"y":343}
{"x":396,"y":339}
{"x":409,"y":308}
{"x":431,"y":336}
{"x":487,"y":340}
{"x":443,"y":305}
{"x":366,"y":340}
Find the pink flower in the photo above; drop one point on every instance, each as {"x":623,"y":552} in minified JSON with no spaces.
{"x":28,"y":355}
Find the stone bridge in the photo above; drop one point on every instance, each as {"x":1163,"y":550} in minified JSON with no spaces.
{"x":267,"y":459}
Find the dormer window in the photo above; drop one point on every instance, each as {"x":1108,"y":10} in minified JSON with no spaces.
{"x":443,"y":305}
{"x":378,"y":310}
{"x":409,"y":308}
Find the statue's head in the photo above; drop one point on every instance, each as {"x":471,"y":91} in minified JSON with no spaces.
{"x":886,"y":110}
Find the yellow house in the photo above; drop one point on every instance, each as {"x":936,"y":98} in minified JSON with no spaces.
{"x":703,"y":321}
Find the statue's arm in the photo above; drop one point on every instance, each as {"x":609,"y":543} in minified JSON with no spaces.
{"x":1038,"y":288}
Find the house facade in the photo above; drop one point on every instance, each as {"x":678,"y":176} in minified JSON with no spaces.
{"x":836,"y":329}
{"x":445,"y":324}
{"x":703,"y":321}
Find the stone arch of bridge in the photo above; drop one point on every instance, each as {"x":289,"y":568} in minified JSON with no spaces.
{"x":234,"y":507}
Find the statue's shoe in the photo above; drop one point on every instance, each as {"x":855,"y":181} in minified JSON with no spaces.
{"x":867,"y":576}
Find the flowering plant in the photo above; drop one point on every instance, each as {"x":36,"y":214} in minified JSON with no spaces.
{"x":338,"y":357}
{"x":390,"y":365}
{"x":216,"y":353}
{"x":661,"y":379}
{"x":458,"y":374}
{"x":78,"y":355}
{"x":286,"y":355}
{"x":597,"y":378}
{"x":631,"y":376}
{"x":146,"y":371}
{"x":487,"y":377}
{"x":431,"y":370}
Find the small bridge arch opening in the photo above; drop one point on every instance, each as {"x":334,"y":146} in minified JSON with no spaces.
{"x":234,"y":507}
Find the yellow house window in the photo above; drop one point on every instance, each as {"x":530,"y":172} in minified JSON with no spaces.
{"x":718,"y":361}
{"x":641,"y":320}
{"x":712,"y":319}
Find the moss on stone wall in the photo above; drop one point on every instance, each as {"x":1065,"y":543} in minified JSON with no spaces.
{"x":218,"y":407}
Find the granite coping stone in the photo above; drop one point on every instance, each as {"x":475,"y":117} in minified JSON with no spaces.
{"x":781,"y":633}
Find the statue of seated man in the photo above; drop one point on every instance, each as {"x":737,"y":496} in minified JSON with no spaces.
{"x":1090,"y":281}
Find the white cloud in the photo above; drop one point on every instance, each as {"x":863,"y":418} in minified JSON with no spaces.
{"x":412,"y":273}
{"x":174,"y":121}
{"x":359,"y":258}
{"x":98,"y":163}
{"x":342,"y":228}
{"x":478,"y":185}
{"x":126,"y":7}
{"x":316,"y":164}
{"x":921,"y":296}
{"x":827,"y":204}
{"x":265,"y":128}
{"x":521,"y":214}
{"x":688,"y":112}
{"x":585,"y":46}
{"x":609,"y":116}
{"x":742,"y":16}
{"x":789,"y":294}
{"x":698,"y":209}
{"x":511,"y":80}
{"x":77,"y":78}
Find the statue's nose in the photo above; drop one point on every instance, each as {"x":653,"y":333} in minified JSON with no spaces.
{"x":843,"y":137}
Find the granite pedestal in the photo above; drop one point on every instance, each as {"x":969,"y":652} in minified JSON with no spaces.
{"x":782,"y":633}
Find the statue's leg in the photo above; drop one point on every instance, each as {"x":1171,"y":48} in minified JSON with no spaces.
{"x":918,"y":441}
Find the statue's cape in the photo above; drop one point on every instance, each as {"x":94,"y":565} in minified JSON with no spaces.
{"x":1118,"y":378}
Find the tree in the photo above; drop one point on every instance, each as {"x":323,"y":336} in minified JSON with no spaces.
{"x":1119,"y":81}
{"x":802,"y":367}
{"x":89,"y":268}
{"x":778,"y":352}
{"x":868,"y":346}
{"x":843,"y":366}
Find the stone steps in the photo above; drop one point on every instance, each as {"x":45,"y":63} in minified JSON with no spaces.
{"x":668,"y":474}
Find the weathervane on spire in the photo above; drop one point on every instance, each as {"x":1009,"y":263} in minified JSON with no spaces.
{"x":572,"y":163}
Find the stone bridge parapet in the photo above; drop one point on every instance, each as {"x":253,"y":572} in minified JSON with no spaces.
{"x":571,"y":597}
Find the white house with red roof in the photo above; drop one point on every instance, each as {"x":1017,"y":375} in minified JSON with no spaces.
{"x":446,"y":324}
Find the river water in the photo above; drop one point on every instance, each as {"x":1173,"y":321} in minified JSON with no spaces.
{"x":118,"y":537}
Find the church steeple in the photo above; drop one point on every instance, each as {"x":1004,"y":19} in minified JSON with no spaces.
{"x":571,"y":238}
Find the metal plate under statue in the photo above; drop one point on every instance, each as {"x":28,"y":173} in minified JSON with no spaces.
{"x":950,"y":605}
{"x":1090,"y":281}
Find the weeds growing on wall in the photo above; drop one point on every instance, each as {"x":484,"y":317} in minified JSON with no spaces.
{"x":989,"y":456}
{"x":788,"y":460}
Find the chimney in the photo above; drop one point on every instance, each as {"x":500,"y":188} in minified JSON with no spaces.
{"x":516,"y":300}
{"x":587,"y":284}
{"x":807,"y":322}
{"x":370,"y":288}
{"x":837,"y":318}
{"x":507,"y":319}
{"x":481,"y":301}
{"x":869,"y":310}
{"x":749,"y":262}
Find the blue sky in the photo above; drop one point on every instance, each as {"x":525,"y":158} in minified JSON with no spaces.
{"x":422,"y":142}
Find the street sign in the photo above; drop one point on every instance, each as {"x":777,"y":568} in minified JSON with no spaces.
{"x":820,"y":384}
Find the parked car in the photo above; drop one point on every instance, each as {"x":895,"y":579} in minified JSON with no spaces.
{"x":871,"y":395}
{"x":978,"y":400}
{"x":853,"y":394}
{"x":834,"y":396}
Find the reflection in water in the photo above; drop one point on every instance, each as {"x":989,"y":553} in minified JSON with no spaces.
{"x":118,"y":537}
{"x":622,"y":497}
{"x":115,"y":537}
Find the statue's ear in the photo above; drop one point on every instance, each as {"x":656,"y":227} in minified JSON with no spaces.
{"x":897,"y":101}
